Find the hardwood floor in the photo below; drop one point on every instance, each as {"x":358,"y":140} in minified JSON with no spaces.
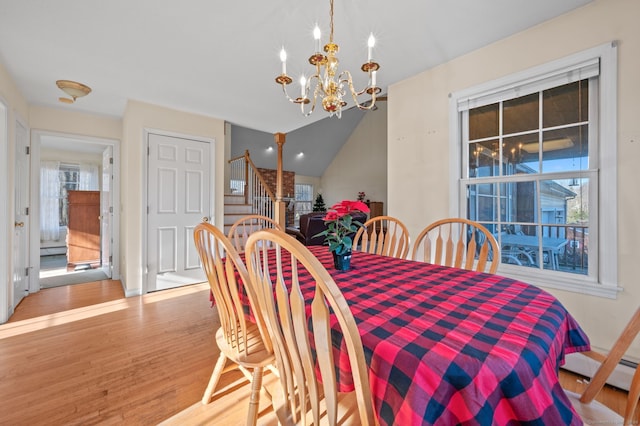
{"x":59,"y":299}
{"x":136,"y":361}
{"x":612,"y":397}
{"x":84,"y":354}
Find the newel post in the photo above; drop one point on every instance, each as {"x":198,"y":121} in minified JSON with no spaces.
{"x":280,"y":208}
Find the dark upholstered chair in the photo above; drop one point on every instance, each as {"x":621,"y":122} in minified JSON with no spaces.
{"x":312,"y":224}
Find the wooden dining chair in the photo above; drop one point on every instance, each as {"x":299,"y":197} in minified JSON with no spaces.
{"x":458,"y":242}
{"x":307,"y":370}
{"x":247,"y":225}
{"x":593,"y":412}
{"x":384,"y":235}
{"x":246,"y":344}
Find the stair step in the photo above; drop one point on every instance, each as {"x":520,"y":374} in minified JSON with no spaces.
{"x":243,"y":209}
{"x":231,"y":218}
{"x":233,"y":199}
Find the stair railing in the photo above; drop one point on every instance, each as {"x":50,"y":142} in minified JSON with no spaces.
{"x":246,"y":179}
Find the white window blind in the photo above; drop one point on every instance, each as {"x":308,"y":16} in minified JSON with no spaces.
{"x":522,"y":87}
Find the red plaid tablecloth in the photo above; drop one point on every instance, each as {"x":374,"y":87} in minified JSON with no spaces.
{"x":447,"y":346}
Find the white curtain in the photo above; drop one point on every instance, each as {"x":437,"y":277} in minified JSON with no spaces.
{"x":88,"y":177}
{"x":49,"y":201}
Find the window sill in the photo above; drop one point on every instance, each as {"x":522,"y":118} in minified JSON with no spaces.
{"x":550,"y":279}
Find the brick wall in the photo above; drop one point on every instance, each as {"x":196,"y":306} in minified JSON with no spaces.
{"x":288,"y":186}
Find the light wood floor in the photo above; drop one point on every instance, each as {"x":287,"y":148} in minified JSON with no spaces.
{"x":84,"y":354}
{"x":119,"y":361}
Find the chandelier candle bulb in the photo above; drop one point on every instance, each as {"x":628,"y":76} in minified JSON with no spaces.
{"x":283,"y":58}
{"x":316,"y":36}
{"x":373,"y":78}
{"x":370,"y":43}
{"x":303,"y":82}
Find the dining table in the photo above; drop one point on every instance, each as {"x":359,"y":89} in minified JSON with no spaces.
{"x":448,"y":346}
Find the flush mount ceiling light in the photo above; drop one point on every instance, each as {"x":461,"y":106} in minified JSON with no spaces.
{"x":73,"y":89}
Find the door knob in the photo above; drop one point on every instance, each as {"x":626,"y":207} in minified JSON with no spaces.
{"x":19,"y":224}
{"x":205,"y":219}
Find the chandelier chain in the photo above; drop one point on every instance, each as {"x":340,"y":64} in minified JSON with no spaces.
{"x":331,"y":21}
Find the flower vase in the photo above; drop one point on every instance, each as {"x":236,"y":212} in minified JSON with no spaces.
{"x":342,"y":262}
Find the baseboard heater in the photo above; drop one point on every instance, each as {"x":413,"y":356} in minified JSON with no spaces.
{"x":620,"y":378}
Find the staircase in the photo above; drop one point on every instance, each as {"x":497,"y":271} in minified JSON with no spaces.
{"x":234,"y":209}
{"x":244,"y":177}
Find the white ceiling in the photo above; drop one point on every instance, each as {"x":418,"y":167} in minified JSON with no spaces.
{"x":220,"y":58}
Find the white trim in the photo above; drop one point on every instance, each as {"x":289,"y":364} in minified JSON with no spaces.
{"x":5,"y":276}
{"x":36,"y":136}
{"x":606,"y":216}
{"x":578,"y":363}
{"x":31,"y":281}
{"x":608,"y":158}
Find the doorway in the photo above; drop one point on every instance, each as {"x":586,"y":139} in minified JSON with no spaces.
{"x":67,"y":165}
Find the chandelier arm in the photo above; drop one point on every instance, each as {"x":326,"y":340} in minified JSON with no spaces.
{"x":349,"y":81}
{"x":315,"y":95}
{"x":355,"y":94}
{"x":289,"y":98}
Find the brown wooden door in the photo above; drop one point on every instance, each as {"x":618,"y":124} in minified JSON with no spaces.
{"x":83,"y":238}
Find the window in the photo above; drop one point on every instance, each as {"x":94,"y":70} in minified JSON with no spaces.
{"x":304,"y":200}
{"x":536,"y":166}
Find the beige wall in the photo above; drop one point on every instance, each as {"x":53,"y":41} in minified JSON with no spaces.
{"x":49,"y":154}
{"x":139,"y":116}
{"x":9,"y":93}
{"x":361,"y":164}
{"x":418,"y":138}
{"x":74,"y":123}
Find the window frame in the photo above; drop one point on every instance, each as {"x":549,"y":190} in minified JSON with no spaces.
{"x":605,"y":215}
{"x":297,"y":214}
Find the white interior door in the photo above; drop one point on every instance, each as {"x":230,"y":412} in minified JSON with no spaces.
{"x":178,"y":199}
{"x":106,"y":212}
{"x":21,"y":223}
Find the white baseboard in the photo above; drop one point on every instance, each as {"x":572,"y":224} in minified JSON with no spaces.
{"x":620,"y":378}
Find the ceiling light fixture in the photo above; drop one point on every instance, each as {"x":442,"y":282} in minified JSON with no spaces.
{"x":73,"y":89}
{"x":548,"y":145}
{"x":330,"y":85}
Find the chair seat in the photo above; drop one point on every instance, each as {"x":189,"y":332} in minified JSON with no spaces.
{"x":594,"y":413}
{"x":256,"y":356}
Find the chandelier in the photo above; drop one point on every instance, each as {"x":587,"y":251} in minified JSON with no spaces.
{"x":328,"y":83}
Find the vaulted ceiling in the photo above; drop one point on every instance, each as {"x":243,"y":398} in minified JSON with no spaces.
{"x":220,"y":58}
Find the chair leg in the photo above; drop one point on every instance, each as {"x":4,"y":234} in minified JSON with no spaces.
{"x":215,"y":376}
{"x":254,"y":401}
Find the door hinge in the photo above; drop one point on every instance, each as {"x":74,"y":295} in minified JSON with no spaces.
{"x":110,"y":258}
{"x":111,"y":209}
{"x":26,"y":271}
{"x":148,"y":150}
{"x":27,"y":150}
{"x":26,"y":211}
{"x":110,"y":160}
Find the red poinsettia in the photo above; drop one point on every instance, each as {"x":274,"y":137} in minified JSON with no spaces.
{"x":340,"y":225}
